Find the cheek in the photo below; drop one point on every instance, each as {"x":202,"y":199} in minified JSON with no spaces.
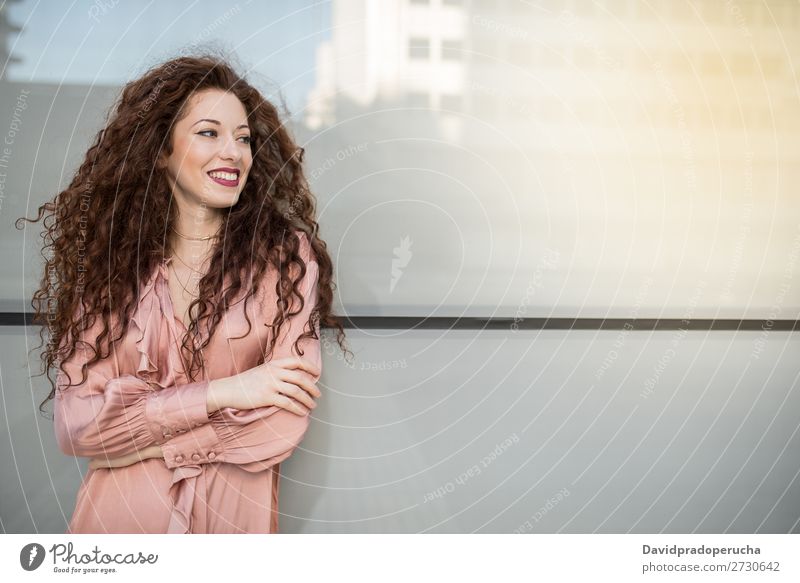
{"x":185,"y":159}
{"x":192,"y":164}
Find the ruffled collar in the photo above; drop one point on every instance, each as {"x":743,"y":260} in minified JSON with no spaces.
{"x":153,"y":310}
{"x":161,"y":270}
{"x":159,"y":328}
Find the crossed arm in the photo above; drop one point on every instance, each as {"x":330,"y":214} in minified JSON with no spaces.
{"x":119,"y":420}
{"x":127,"y":460}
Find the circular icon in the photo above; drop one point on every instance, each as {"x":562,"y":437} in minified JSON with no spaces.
{"x":31,"y":556}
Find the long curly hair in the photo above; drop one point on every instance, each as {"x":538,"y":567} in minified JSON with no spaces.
{"x":112,"y":220}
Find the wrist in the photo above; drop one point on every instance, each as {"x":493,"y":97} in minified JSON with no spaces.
{"x":216,"y":399}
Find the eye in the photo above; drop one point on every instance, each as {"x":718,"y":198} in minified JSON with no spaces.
{"x":246,"y":138}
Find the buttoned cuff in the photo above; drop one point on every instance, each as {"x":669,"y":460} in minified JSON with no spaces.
{"x":175,"y":410}
{"x":199,"y":446}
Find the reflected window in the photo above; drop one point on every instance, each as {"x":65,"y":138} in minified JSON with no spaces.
{"x":451,"y":50}
{"x":419,"y":48}
{"x":681,"y":11}
{"x":712,"y":64}
{"x":771,"y":65}
{"x":451,"y":102}
{"x":618,"y":8}
{"x":485,"y":49}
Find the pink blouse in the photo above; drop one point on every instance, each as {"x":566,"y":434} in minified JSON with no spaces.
{"x":220,"y":472}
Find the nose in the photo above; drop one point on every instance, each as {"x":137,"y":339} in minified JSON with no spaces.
{"x":230,"y":150}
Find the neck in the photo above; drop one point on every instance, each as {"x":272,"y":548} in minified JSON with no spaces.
{"x":194,"y":243}
{"x":198,"y":225}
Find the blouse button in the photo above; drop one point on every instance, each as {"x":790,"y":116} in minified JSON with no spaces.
{"x":179,"y":458}
{"x":196,"y":457}
{"x":212,"y":455}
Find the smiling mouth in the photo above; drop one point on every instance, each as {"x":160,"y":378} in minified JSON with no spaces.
{"x":225,"y":181}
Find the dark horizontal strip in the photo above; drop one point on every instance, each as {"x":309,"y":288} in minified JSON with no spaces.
{"x":403,"y":323}
{"x":407,"y":323}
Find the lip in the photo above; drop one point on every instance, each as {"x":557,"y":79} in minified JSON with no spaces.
{"x":225,"y":182}
{"x":226,"y":169}
{"x":229,"y":183}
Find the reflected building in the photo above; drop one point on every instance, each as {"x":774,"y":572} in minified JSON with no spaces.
{"x":577,"y":74}
{"x":655,"y":138}
{"x":562,"y":67}
{"x":643,"y":137}
{"x":7,"y":33}
{"x":392,"y":53}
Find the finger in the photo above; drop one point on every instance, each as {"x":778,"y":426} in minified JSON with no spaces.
{"x":304,"y":381}
{"x":298,"y":394}
{"x":295,"y":362}
{"x":290,"y":404}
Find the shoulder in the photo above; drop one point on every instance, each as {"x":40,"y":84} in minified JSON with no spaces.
{"x":266,"y":289}
{"x":306,"y":250}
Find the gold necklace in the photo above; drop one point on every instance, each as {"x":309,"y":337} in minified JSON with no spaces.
{"x":175,"y":253}
{"x":194,"y":238}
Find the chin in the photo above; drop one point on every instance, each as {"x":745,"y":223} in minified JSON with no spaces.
{"x":222,"y":203}
{"x":219,"y":199}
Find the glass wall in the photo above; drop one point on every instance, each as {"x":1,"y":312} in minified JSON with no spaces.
{"x":503,"y":158}
{"x":487,"y":158}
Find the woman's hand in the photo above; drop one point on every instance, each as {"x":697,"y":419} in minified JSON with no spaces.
{"x":153,"y":451}
{"x":289,"y":383}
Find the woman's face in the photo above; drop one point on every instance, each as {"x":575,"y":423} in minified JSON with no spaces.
{"x":211,"y":154}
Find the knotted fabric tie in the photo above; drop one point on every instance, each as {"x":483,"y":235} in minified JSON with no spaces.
{"x":182,"y":492}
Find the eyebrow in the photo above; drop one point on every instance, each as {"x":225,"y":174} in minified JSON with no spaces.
{"x":244,"y":125}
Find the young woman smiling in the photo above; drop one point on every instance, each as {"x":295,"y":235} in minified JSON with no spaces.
{"x":190,"y":288}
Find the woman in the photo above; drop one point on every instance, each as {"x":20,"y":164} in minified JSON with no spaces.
{"x":185,"y":258}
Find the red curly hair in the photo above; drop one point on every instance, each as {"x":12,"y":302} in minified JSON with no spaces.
{"x":112,"y":220}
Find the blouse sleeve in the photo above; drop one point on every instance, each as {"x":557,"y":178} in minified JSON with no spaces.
{"x":112,"y":416}
{"x":255,"y":439}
